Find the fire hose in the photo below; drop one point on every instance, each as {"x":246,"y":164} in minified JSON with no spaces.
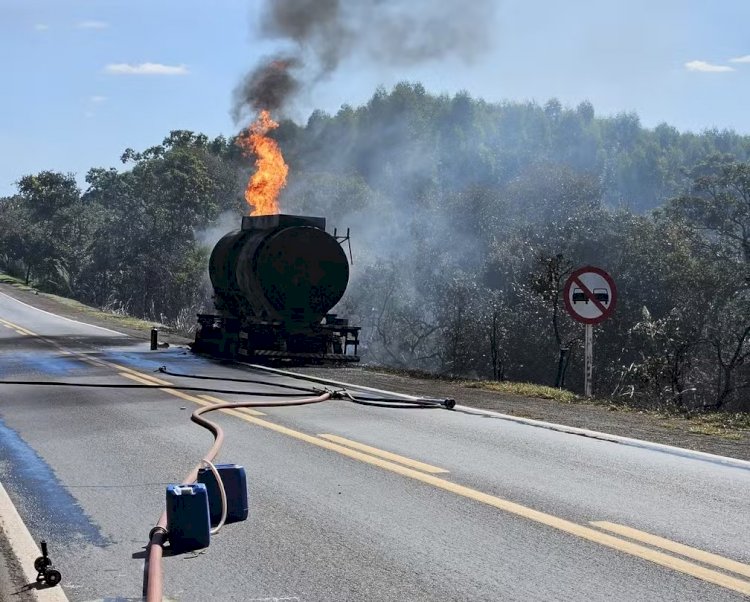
{"x":153,"y":575}
{"x":153,"y":580}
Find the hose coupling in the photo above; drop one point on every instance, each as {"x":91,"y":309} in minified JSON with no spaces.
{"x":160,"y":531}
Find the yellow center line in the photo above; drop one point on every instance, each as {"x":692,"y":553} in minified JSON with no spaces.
{"x":17,"y":328}
{"x":678,"y":548}
{"x":549,"y":520}
{"x":566,"y":526}
{"x":249,"y":411}
{"x":563,"y":525}
{"x":374,"y":451}
{"x":152,"y":380}
{"x":137,"y":379}
{"x":145,"y":381}
{"x":14,"y":329}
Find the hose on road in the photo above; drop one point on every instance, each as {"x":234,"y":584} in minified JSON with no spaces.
{"x":153,"y":575}
{"x":153,"y":579}
{"x":421,"y":403}
{"x":399,"y":403}
{"x":164,"y":370}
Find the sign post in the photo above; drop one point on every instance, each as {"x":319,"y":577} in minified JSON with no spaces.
{"x":588,"y":369}
{"x":590,"y":296}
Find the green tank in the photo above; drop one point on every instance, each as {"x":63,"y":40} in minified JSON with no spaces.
{"x":279,"y":268}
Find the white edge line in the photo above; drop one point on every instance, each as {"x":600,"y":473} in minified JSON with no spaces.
{"x":24,"y":549}
{"x":640,"y":443}
{"x":571,"y":430}
{"x":325,"y":381}
{"x":49,"y":313}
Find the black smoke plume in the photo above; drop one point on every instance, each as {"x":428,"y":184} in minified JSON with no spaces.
{"x":267,"y":87}
{"x":323,"y":33}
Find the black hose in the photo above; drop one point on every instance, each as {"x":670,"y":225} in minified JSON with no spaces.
{"x":396,"y":404}
{"x":420,"y":402}
{"x":379,"y":402}
{"x":163,"y":370}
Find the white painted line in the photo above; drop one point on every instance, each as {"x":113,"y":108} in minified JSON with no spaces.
{"x":25,"y":549}
{"x":63,"y":317}
{"x":650,"y":445}
{"x":570,"y":430}
{"x":325,"y":381}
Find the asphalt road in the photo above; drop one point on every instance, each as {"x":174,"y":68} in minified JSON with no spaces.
{"x":469,"y":508}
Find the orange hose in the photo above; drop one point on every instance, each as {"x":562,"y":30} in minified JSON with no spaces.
{"x":153,"y":574}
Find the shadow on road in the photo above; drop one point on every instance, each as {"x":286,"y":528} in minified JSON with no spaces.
{"x":34,"y":585}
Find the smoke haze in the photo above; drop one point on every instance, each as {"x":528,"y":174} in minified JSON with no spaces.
{"x":399,"y":230}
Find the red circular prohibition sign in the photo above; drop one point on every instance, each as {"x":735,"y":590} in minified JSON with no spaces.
{"x":575,"y":280}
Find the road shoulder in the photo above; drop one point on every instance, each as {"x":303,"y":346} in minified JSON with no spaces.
{"x":11,"y":575}
{"x":647,"y":426}
{"x":19,"y":551}
{"x":638,"y":424}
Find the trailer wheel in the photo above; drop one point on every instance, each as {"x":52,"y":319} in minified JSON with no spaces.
{"x":52,"y":577}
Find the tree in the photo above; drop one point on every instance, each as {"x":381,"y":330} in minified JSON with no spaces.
{"x":729,"y":334}
{"x":548,"y":281}
{"x":717,"y":206}
{"x":53,"y":233}
{"x":718,"y":203}
{"x":147,"y":258}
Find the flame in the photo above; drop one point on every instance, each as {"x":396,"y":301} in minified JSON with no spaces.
{"x":262,"y":192}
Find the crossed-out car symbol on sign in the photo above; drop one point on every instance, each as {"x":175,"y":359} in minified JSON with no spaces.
{"x":590,"y":295}
{"x":600,"y":294}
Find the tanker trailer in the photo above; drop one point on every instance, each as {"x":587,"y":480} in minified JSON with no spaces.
{"x":275,"y":281}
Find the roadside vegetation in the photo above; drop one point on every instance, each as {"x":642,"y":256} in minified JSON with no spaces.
{"x":466,"y":217}
{"x":81,"y":311}
{"x":731,"y":426}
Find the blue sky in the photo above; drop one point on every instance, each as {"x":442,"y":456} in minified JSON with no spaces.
{"x":85,"y":79}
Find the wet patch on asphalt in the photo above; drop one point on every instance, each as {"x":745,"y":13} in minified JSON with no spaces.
{"x":151,"y":361}
{"x":52,"y":363}
{"x":47,"y":507}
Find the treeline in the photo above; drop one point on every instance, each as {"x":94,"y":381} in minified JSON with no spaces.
{"x":410,"y":143}
{"x":466,"y":217}
{"x":128,"y":242}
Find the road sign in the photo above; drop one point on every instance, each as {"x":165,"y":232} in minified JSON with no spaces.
{"x":590,"y":295}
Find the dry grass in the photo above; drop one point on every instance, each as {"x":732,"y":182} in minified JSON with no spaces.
{"x":732,"y":427}
{"x":509,"y":388}
{"x":122,"y":319}
{"x":523,"y":390}
{"x":5,"y":279}
{"x":720,"y":424}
